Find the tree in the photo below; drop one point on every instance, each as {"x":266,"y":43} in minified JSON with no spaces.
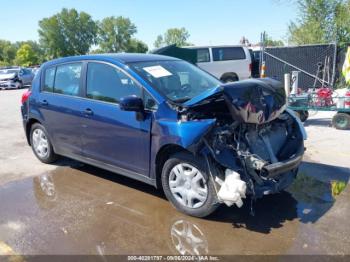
{"x":36,"y":47}
{"x":271,"y":42}
{"x":67,"y":33}
{"x":178,"y":36}
{"x":159,"y":41}
{"x":26,"y":56}
{"x":115,"y":33}
{"x":342,"y":22}
{"x":7,"y":52}
{"x":136,"y":46}
{"x":321,"y":21}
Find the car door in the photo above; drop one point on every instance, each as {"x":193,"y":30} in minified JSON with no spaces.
{"x":110,"y":135}
{"x":23,"y":76}
{"x":60,"y":105}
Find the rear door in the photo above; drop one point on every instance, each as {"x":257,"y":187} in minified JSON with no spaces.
{"x":111,"y":135}
{"x":60,"y":105}
{"x":25,"y":76}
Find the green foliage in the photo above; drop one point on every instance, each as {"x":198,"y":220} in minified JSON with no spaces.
{"x":159,"y":41}
{"x":271,"y":42}
{"x":26,"y":56}
{"x":178,"y":36}
{"x":136,"y":46}
{"x":337,"y":187}
{"x":36,"y":47}
{"x":7,"y":52}
{"x":321,"y":21}
{"x":342,"y":23}
{"x":67,"y":33}
{"x":114,"y":34}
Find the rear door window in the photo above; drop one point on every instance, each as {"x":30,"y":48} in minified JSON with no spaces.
{"x":203,"y":55}
{"x":67,"y":80}
{"x":228,"y":53}
{"x":109,"y":84}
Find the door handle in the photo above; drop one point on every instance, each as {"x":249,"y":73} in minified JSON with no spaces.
{"x":88,"y":112}
{"x":44,"y":103}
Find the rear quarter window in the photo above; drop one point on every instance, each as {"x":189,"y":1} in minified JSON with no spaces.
{"x":228,"y":53}
{"x":49,"y":79}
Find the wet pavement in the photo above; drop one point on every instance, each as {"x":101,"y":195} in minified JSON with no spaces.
{"x":79,"y":209}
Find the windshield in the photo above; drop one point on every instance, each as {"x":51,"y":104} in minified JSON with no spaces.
{"x":178,"y":80}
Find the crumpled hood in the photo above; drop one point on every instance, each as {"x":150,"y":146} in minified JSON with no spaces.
{"x":255,"y":101}
{"x":7,"y":76}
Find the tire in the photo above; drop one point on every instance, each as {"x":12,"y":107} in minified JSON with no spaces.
{"x":201,"y":207}
{"x":46,"y":154}
{"x":20,"y":85}
{"x":230,"y":79}
{"x":341,"y":121}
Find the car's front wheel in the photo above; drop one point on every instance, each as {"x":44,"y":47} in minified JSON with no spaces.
{"x":41,"y":144}
{"x":187,"y":185}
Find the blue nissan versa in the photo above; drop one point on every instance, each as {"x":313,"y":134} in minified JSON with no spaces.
{"x":167,"y":123}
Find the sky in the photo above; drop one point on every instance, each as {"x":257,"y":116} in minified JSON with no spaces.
{"x":214,"y":22}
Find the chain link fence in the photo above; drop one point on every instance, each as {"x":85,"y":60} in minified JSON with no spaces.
{"x":317,"y":64}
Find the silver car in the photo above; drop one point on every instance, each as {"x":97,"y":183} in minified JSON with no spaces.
{"x":15,"y":78}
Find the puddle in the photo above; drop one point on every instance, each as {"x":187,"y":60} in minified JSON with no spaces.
{"x":314,"y":197}
{"x":85,"y":210}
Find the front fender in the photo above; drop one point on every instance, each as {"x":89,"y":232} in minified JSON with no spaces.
{"x":172,"y":132}
{"x":181,"y":133}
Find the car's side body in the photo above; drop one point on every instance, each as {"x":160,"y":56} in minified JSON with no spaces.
{"x":103,"y":138}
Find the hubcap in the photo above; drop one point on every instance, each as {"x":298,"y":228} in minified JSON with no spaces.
{"x":188,"y":185}
{"x":40,"y":143}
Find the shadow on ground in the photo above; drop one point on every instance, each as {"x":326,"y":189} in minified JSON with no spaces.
{"x":326,"y":122}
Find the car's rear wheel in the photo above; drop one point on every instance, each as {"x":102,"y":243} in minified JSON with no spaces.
{"x":19,"y":85}
{"x":187,"y":185}
{"x":41,"y":144}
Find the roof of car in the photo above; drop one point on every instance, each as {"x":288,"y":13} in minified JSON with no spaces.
{"x":213,"y":46}
{"x":119,"y":57}
{"x":136,"y":57}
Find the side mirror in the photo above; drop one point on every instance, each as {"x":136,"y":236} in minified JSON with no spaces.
{"x":131,"y":103}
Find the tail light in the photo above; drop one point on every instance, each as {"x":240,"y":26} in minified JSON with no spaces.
{"x":25,"y":96}
{"x":250,"y":67}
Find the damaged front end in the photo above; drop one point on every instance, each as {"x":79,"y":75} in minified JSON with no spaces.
{"x":256,"y":144}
